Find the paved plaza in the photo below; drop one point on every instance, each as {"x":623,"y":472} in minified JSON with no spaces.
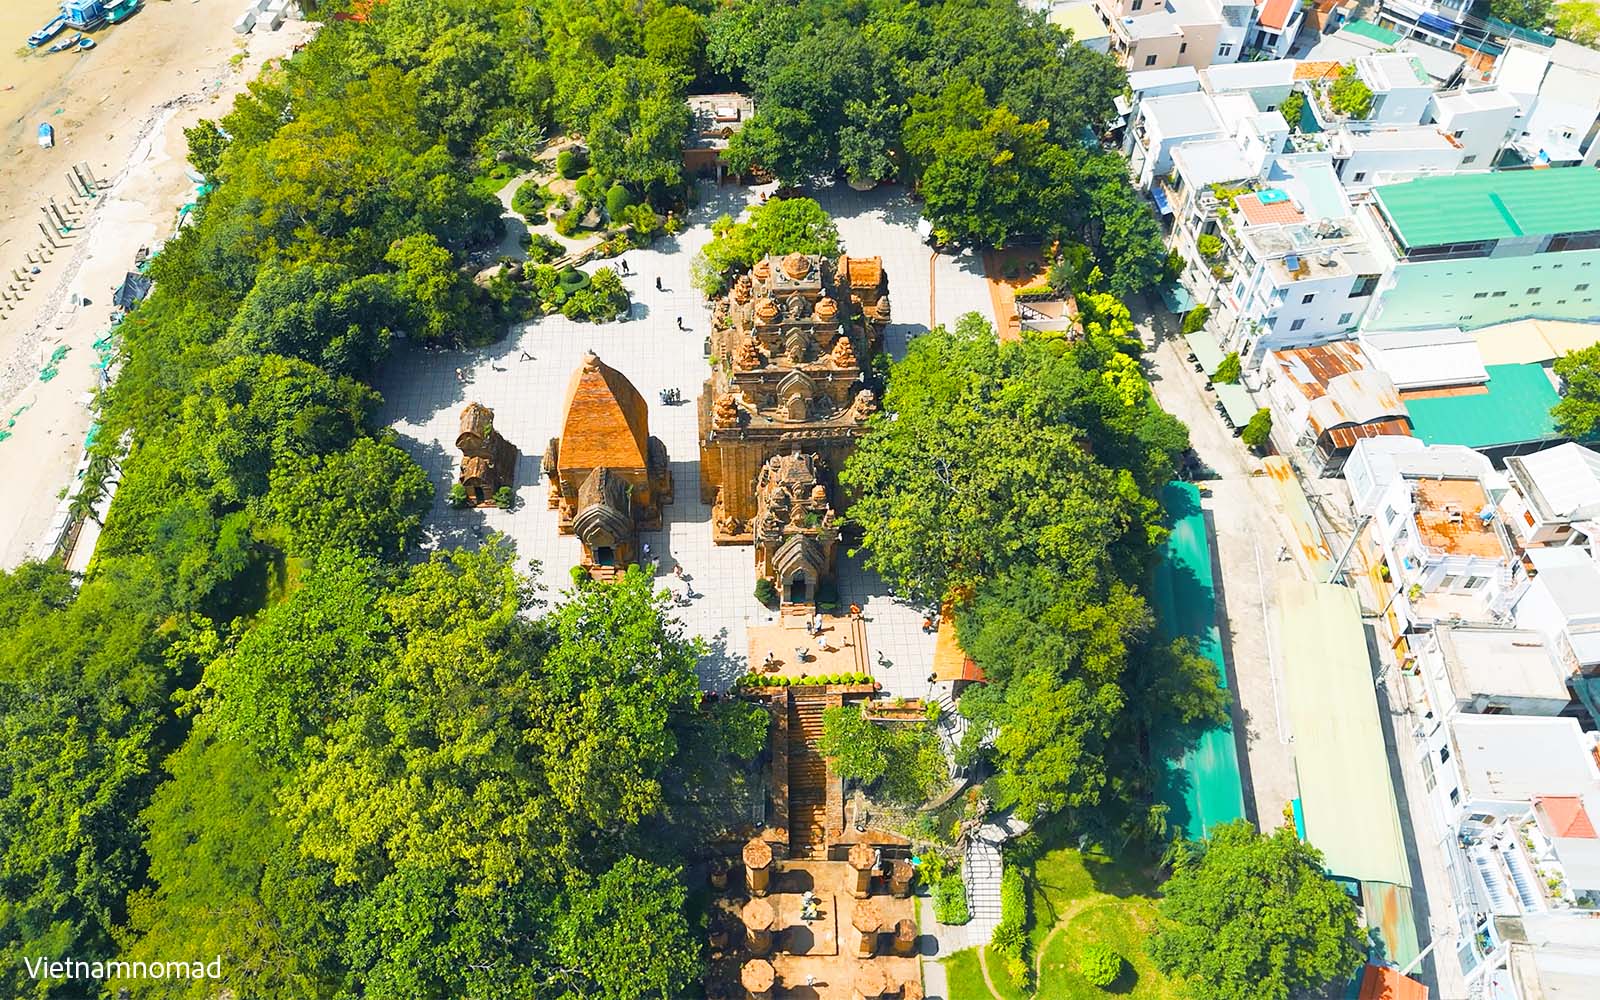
{"x":523,"y":378}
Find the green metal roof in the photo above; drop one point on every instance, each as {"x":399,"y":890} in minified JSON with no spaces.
{"x":1339,"y":754}
{"x":1515,"y":410}
{"x":1366,"y":29}
{"x":1199,"y":778}
{"x":1464,"y":208}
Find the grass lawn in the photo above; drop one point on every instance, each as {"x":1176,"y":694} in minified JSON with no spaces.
{"x":1090,"y":898}
{"x":1123,"y":924}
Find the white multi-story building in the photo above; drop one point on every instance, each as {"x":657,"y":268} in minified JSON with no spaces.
{"x":1437,"y":532}
{"x":1275,"y":26}
{"x":1558,"y":103}
{"x":1554,"y":497}
{"x":1159,"y":34}
{"x":1480,"y":121}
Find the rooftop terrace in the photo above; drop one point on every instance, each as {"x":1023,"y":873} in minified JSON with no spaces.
{"x":1448,"y":521}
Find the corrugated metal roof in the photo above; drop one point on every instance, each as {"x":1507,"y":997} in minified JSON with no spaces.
{"x":1465,"y":208}
{"x":1356,"y":398}
{"x":1514,"y":410}
{"x":1565,"y":478}
{"x":1311,"y":368}
{"x":1339,"y":752}
{"x":1366,"y":29}
{"x":1380,"y":982}
{"x":1527,"y":341}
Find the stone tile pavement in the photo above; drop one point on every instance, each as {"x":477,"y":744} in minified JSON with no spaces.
{"x":523,"y":378}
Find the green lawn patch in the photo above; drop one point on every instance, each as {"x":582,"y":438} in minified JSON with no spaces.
{"x":1122,"y":924}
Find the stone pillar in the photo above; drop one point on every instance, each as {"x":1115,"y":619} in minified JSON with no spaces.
{"x":870,"y":983}
{"x":905,"y":937}
{"x":757,"y":978}
{"x":759,"y":922}
{"x":862,"y":858}
{"x":757,"y":866}
{"x":900,"y":875}
{"x":867,"y":920}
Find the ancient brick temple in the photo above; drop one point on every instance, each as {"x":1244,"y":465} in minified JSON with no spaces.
{"x":795,"y":530}
{"x":790,"y":345}
{"x":608,"y":476}
{"x":488,"y":461}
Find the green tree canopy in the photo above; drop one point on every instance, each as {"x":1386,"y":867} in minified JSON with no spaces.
{"x":1252,"y":916}
{"x":1577,"y":415}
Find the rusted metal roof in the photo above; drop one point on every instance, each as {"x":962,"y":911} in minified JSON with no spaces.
{"x":1311,"y":368}
{"x":1379,"y":982}
{"x":1358,"y":397}
{"x":1345,"y":438}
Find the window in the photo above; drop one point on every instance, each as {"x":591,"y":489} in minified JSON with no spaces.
{"x":1360,"y":176}
{"x":1455,"y":796}
{"x":1480,"y":295}
{"x":1581,"y":288}
{"x":1449,"y":581}
{"x":1458,"y":133}
{"x":1297,"y":324}
{"x":1365,"y":286}
{"x":1183,"y":47}
{"x":1444,"y":754}
{"x":1476,"y":582}
{"x":1149,"y":60}
{"x":1225,"y":49}
{"x":1344,"y":318}
{"x":1534,"y":290}
{"x":1138,"y":4}
{"x":1307,"y":300}
{"x":1469,"y":159}
{"x":1498,"y":295}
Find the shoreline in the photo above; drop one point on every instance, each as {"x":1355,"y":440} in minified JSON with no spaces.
{"x":131,"y":138}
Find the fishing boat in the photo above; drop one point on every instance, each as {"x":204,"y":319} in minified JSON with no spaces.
{"x":120,"y":10}
{"x":85,"y":44}
{"x":49,"y":31}
{"x":66,"y":43}
{"x":47,"y":136}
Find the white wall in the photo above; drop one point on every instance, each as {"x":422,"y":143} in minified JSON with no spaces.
{"x":1381,"y":166}
{"x":1480,"y":131}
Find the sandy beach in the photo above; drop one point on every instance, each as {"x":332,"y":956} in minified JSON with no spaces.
{"x":120,"y":108}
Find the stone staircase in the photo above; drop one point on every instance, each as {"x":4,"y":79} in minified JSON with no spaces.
{"x":808,"y":780}
{"x":952,"y":726}
{"x":982,"y":875}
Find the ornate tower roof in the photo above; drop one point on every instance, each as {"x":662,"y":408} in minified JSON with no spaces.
{"x":606,"y":421}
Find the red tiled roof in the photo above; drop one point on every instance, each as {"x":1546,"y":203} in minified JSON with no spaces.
{"x":1256,"y":213}
{"x":1276,"y":13}
{"x":1565,"y":817}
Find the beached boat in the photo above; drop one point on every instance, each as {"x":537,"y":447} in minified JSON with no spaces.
{"x":120,"y":10}
{"x":47,"y":136}
{"x":66,"y":43}
{"x":87,"y":15}
{"x":49,"y":31}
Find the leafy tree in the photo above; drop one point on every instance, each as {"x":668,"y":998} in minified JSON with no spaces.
{"x":780,"y":141}
{"x":322,"y":313}
{"x":1579,"y":21}
{"x":1292,"y":108}
{"x":1254,"y":916}
{"x":1533,"y":14}
{"x":626,"y":937}
{"x":1577,"y":415}
{"x":781,"y":226}
{"x":1229,"y":369}
{"x":206,"y":145}
{"x":903,"y":762}
{"x":867,"y":141}
{"x":1258,"y":431}
{"x":675,"y":36}
{"x":1195,"y":319}
{"x":634,"y":118}
{"x":429,"y":285}
{"x":368,"y":498}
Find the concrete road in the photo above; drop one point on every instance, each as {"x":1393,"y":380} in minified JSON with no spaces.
{"x":1247,"y":536}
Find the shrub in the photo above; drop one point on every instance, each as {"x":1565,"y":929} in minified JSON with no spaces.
{"x":529,"y":201}
{"x":543,"y":249}
{"x":457,"y":496}
{"x":503,"y":498}
{"x":766,"y":593}
{"x":567,"y":224}
{"x":1010,"y":935}
{"x":1195,"y":319}
{"x":1349,"y":96}
{"x":1100,"y":965}
{"x":1210,"y":246}
{"x":617,"y":201}
{"x":1259,"y":430}
{"x":950,"y":900}
{"x":1229,"y":371}
{"x":571,"y":279}
{"x":571,"y":162}
{"x":580,"y":575}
